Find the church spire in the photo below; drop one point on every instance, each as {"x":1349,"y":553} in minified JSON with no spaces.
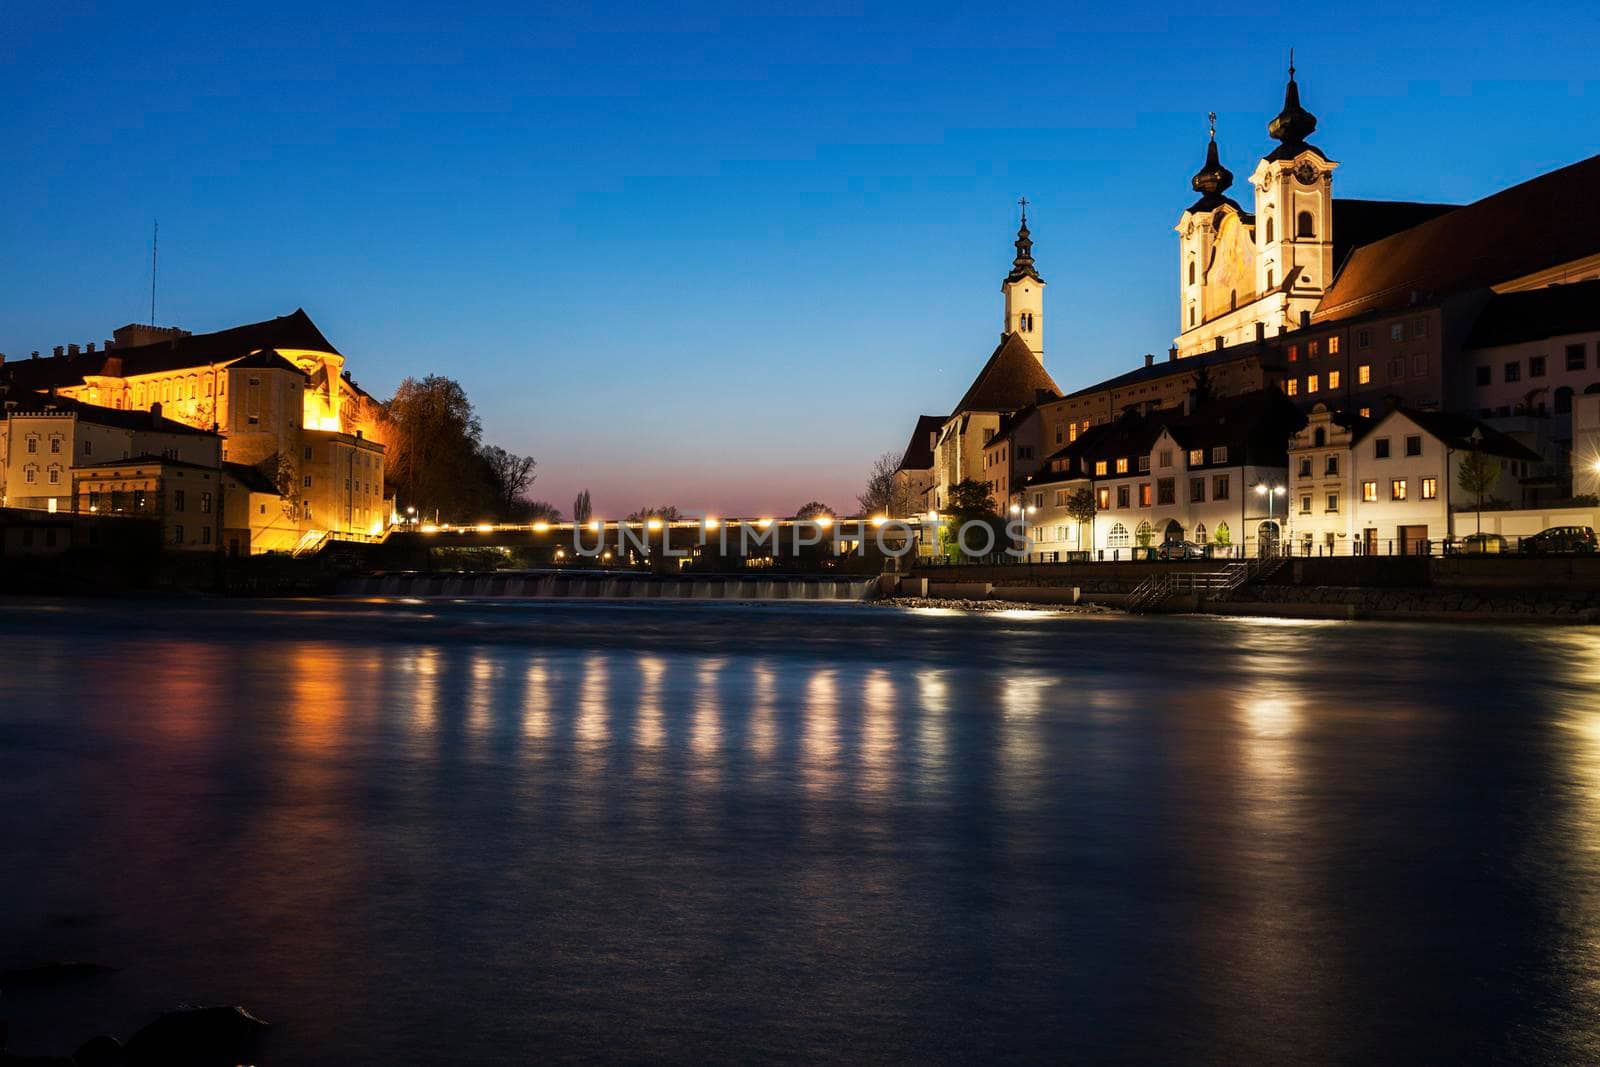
{"x":1022,"y":266}
{"x":1294,"y":123}
{"x":1212,"y":179}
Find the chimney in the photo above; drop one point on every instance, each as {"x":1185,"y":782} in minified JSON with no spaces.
{"x":60,"y":351}
{"x":35,"y":353}
{"x":90,"y":346}
{"x":107,"y":344}
{"x":1172,"y":354}
{"x":1149,"y":359}
{"x":155,"y":415}
{"x":1305,"y":319}
{"x":1261,"y":332}
{"x":72,"y":350}
{"x":1218,"y":344}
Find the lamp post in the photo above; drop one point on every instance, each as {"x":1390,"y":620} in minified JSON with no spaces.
{"x":1270,"y":491}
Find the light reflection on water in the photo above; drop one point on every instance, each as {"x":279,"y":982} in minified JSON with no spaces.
{"x":416,"y":832}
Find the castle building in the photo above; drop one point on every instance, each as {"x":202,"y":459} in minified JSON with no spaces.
{"x":274,"y":396}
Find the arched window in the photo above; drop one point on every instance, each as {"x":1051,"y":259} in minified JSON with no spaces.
{"x":1270,"y":282}
{"x":1233,"y":299}
{"x":1199,"y":533}
{"x":1269,"y":229}
{"x":1223,"y":535}
{"x":1143,"y":533}
{"x":1305,"y":225}
{"x":1191,"y":314}
{"x":1319,"y":437}
{"x":1191,"y":272}
{"x":1564,"y":401}
{"x":1174,"y":531}
{"x":1118,"y":537}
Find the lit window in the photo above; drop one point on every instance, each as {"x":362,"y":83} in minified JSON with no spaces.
{"x":1366,"y":413}
{"x":1313,"y":349}
{"x":1294,"y":353}
{"x":1313,"y":383}
{"x":1144,"y":494}
{"x":1105,"y":498}
{"x":1333,"y":346}
{"x":1122,"y":465}
{"x":1333,"y":379}
{"x":1293,"y":387}
{"x":1369,"y":491}
{"x":1197,"y":456}
{"x":1100,"y":466}
{"x":1397,"y":489}
{"x":1430,"y":488}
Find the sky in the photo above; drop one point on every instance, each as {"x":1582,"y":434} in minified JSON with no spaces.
{"x":714,"y":257}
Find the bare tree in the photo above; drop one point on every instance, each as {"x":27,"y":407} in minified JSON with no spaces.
{"x":1478,"y":475}
{"x":665,"y":512}
{"x":812,"y":509}
{"x":509,"y":475}
{"x":581,"y":509}
{"x":886,"y":492}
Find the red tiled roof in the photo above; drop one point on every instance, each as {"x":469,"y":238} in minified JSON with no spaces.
{"x":1012,"y":378}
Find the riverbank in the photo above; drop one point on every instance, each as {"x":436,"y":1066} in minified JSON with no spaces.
{"x":990,"y":605}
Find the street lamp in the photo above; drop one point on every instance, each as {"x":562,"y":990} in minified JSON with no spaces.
{"x":1270,"y":491}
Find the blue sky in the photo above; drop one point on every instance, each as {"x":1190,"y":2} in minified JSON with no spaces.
{"x":718,"y":258}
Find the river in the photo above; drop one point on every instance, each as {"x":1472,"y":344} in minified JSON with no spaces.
{"x":506,"y":832}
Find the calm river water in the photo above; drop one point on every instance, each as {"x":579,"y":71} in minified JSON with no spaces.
{"x":498,"y":833}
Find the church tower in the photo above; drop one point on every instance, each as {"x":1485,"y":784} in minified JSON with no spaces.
{"x":1197,"y":232}
{"x":1024,"y":293}
{"x":1294,"y":212}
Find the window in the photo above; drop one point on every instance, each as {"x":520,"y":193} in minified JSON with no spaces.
{"x":1536,"y":366}
{"x":1219,"y":487}
{"x":1100,"y":466}
{"x":1191,"y":269}
{"x":307,"y":481}
{"x":1419,"y":365}
{"x":177,"y":535}
{"x":1577,"y":357}
{"x":1514,"y":371}
{"x":177,"y":500}
{"x":1331,"y":466}
{"x":1363,"y":338}
{"x":33,"y":444}
{"x":1122,"y":465}
{"x":1333,"y":346}
{"x":1305,"y":503}
{"x":1364,"y":374}
{"x":1270,"y":278}
{"x":1430,"y":488}
{"x":1122,"y":496}
{"x":1166,"y":491}
{"x":55,"y":444}
{"x":1061,"y":498}
{"x":1397,"y":489}
{"x":1319,"y":436}
{"x":1144,"y":494}
{"x":1333,"y":504}
{"x":1397,"y":368}
{"x":1294,"y":353}
{"x":1313,"y":383}
{"x":1118,"y":537}
{"x":1305,"y":225}
{"x":1366,"y":413}
{"x":1485,"y":374}
{"x":1197,"y":457}
{"x":1380,"y":448}
{"x":1305,"y":466}
{"x":1269,"y":233}
{"x":30,"y":474}
{"x":1313,"y":349}
{"x":1197,"y":490}
{"x":1333,"y":379}
{"x":205,"y":535}
{"x":1292,"y":387}
{"x":205,"y":503}
{"x":88,"y":447}
{"x":55,"y":474}
{"x":1219,"y":454}
{"x":1419,"y":328}
{"x":1104,"y":499}
{"x":1144,"y":463}
{"x":1165,"y":457}
{"x":1413,"y":445}
{"x":1369,"y":491}
{"x":1397,"y":331}
{"x":308,"y":447}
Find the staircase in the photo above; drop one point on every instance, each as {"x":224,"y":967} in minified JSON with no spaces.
{"x":1152,"y":593}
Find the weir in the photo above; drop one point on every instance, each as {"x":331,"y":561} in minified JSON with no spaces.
{"x":535,"y":585}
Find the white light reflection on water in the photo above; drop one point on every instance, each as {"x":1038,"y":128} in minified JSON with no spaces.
{"x":819,"y":737}
{"x":762,"y":729}
{"x":879,"y":707}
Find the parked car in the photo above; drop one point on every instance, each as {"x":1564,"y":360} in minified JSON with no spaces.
{"x":1482,"y":544}
{"x":1180,"y":550}
{"x":1559,"y":540}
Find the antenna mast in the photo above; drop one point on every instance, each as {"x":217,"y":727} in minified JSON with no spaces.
{"x":155,"y":236}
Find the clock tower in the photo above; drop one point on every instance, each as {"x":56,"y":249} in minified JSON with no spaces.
{"x":1024,"y":293}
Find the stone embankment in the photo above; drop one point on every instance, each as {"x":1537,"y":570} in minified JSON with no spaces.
{"x":1350,"y":602}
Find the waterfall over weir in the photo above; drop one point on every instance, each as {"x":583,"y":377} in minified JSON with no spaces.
{"x":613,"y":586}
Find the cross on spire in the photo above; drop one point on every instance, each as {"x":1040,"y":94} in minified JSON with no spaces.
{"x":1023,"y":201}
{"x":1291,"y":63}
{"x":1211,"y":116}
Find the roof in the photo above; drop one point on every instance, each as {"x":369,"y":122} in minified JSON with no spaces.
{"x":146,"y":459}
{"x":1457,"y":432}
{"x":1540,"y":224}
{"x":919,"y":451}
{"x":1538,"y":313}
{"x":1361,"y":222}
{"x":1012,"y":378}
{"x":1186,"y":365}
{"x":291,"y":332}
{"x":149,"y":422}
{"x":250,"y":477}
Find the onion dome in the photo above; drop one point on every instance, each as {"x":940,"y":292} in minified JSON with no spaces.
{"x":1294,"y":123}
{"x":1022,"y":267}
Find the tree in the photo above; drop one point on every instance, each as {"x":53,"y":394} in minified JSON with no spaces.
{"x":285,"y":477}
{"x":509,"y":476}
{"x":886,"y":492}
{"x":970,"y":499}
{"x":580,"y":508}
{"x":433,"y":461}
{"x":1202,"y":387}
{"x":1081,"y":506}
{"x":535,"y":510}
{"x":1477,"y":475}
{"x":664,"y":512}
{"x":812,"y":509}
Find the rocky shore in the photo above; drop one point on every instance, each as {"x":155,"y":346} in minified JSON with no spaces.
{"x":990,"y":605}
